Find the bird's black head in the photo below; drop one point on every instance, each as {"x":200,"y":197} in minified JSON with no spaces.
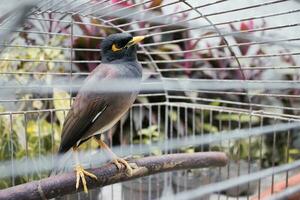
{"x":119,"y":46}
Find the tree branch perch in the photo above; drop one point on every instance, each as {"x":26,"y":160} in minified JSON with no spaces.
{"x":63,"y":184}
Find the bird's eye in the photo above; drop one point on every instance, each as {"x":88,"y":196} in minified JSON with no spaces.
{"x":114,"y":48}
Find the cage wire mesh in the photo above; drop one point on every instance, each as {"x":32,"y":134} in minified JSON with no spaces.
{"x":211,"y":67}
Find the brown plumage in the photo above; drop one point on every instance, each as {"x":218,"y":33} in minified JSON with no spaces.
{"x":94,"y":112}
{"x":80,"y":123}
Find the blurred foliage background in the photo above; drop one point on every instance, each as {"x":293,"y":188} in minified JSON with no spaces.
{"x":38,"y":133}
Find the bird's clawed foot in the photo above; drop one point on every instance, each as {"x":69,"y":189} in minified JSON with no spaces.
{"x":80,"y":174}
{"x":116,"y":160}
{"x":129,"y":168}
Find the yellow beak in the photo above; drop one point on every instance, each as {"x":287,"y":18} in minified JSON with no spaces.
{"x":135,"y":40}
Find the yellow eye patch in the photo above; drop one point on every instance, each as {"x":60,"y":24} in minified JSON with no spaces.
{"x":115,"y":48}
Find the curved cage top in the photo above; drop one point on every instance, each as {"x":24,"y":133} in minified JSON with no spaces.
{"x":210,"y":66}
{"x":239,"y":58}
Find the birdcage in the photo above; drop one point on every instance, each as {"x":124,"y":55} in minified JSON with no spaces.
{"x":214,"y":68}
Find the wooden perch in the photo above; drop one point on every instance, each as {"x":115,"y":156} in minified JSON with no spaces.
{"x":63,"y":184}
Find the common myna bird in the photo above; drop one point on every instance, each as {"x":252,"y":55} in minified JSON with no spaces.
{"x":92,"y":112}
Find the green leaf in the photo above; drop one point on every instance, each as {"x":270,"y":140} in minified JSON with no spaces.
{"x":210,"y":128}
{"x":188,"y":150}
{"x":61,"y":102}
{"x":243,"y":118}
{"x":173,"y":115}
{"x":156,"y":151}
{"x":215,"y":103}
{"x":294,"y":151}
{"x":150,"y":131}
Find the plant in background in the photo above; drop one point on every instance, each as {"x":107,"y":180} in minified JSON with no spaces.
{"x":47,"y":131}
{"x":32,"y":134}
{"x":149,"y":136}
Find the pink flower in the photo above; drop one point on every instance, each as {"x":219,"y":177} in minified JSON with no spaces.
{"x":247,"y":25}
{"x":121,"y":3}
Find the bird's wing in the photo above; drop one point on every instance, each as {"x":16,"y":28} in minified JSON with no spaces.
{"x":85,"y":108}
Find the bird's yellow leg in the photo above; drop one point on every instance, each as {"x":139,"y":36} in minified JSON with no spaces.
{"x":115,"y":159}
{"x":81,"y":173}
